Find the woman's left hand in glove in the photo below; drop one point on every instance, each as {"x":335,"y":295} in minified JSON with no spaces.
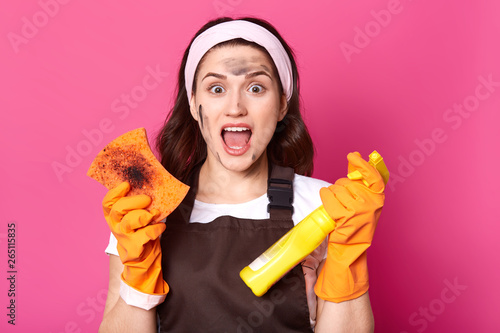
{"x":355,"y":205}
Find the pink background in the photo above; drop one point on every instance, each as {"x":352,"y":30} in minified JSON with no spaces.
{"x":391,"y":87}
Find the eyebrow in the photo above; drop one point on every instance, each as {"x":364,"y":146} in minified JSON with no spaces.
{"x":248,"y":76}
{"x":254,"y":74}
{"x":219,"y":76}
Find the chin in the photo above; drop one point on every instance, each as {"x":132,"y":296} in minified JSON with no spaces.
{"x":242,"y":163}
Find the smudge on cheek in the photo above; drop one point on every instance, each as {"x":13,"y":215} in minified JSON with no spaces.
{"x":254,"y":157}
{"x":200,"y":115}
{"x":204,"y":124}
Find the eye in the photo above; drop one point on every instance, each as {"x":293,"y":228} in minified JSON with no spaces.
{"x":216,"y":89}
{"x":256,"y":89}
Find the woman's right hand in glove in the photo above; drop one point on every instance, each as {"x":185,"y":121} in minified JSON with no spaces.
{"x":138,"y":246}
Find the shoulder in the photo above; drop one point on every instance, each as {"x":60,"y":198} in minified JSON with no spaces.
{"x":306,"y":195}
{"x":304,"y":183}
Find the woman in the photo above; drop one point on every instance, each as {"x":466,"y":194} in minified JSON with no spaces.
{"x":236,"y":136}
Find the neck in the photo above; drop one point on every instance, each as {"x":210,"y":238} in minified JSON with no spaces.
{"x":219,"y":185}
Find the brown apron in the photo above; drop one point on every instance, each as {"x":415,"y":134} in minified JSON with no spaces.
{"x":201,"y":263}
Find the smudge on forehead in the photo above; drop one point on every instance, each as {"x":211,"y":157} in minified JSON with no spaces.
{"x":236,"y":66}
{"x":241,"y":66}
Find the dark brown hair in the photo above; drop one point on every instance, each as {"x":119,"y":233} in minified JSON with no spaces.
{"x":182,"y":146}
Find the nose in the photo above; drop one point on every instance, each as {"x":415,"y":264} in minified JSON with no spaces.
{"x":236,"y":105}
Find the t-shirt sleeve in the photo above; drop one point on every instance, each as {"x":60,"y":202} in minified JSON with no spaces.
{"x":112,"y":245}
{"x":306,"y":196}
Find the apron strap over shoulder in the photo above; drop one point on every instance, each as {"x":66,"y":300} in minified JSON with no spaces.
{"x":280,"y":192}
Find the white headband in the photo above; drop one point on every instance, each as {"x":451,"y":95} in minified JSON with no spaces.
{"x":239,"y":29}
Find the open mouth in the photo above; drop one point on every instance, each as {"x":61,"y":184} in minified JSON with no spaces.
{"x":236,"y":138}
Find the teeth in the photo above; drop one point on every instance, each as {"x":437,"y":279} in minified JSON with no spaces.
{"x":236,"y":129}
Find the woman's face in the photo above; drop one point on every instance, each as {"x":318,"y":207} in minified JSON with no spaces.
{"x":237,"y":105}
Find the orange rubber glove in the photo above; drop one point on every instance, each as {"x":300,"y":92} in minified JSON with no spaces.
{"x":138,"y":241}
{"x":355,"y":207}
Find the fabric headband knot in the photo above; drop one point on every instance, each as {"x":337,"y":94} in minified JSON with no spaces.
{"x":239,"y":29}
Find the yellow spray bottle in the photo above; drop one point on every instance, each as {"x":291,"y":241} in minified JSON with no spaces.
{"x":297,"y":243}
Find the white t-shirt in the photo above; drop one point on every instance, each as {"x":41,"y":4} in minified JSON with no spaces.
{"x":305,"y":199}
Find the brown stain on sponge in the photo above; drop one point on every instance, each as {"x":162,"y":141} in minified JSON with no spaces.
{"x":129,"y":158}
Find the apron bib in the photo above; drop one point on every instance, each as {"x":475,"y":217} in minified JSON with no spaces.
{"x":201,"y":263}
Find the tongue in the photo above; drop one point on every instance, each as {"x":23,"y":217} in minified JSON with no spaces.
{"x":236,"y":139}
